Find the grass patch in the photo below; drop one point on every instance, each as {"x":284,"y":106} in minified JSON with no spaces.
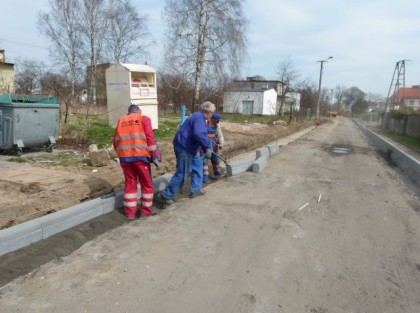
{"x":167,"y":128}
{"x":63,"y":159}
{"x":407,"y":140}
{"x":262,"y":119}
{"x":102,"y":135}
{"x":20,"y":160}
{"x":96,"y":130}
{"x":89,"y":129}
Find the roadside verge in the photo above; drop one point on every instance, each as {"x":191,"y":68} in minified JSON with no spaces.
{"x":409,"y":165}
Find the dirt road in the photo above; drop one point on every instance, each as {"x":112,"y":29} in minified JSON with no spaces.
{"x":328,"y":226}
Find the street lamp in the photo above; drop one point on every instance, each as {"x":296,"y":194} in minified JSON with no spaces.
{"x":319,"y":87}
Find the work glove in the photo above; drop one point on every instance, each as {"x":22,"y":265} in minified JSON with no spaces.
{"x":157,"y":164}
{"x":209,"y":152}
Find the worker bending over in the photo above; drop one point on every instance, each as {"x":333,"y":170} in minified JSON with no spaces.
{"x":135,"y":145}
{"x":190,"y":138}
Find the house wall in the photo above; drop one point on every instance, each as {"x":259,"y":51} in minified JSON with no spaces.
{"x":264,"y":102}
{"x":292,"y":99}
{"x":412,"y":103}
{"x":232,"y":101}
{"x":269,"y":102}
{"x":259,"y":85}
{"x":7,"y":78}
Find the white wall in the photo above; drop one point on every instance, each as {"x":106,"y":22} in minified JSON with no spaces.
{"x":416,"y":103}
{"x":269,"y":102}
{"x":232,"y":100}
{"x":264,"y":101}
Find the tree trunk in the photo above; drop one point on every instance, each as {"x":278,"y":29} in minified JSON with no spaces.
{"x":201,"y":54}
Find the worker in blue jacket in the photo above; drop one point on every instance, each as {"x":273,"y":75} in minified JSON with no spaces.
{"x":189,"y":140}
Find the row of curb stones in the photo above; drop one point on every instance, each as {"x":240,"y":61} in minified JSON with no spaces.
{"x":22,"y":235}
{"x":257,"y":165}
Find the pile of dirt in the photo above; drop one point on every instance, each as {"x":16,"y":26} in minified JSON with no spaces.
{"x":48,"y":187}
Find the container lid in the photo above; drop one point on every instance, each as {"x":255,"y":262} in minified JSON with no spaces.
{"x":17,"y":99}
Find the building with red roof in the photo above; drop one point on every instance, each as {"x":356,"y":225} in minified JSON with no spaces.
{"x":407,"y":97}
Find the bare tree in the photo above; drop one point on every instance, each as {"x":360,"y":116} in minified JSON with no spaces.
{"x":29,"y":74}
{"x":339,"y":94}
{"x":325,"y":101}
{"x":308,"y":94}
{"x":376,"y":100}
{"x":351,"y":95}
{"x":173,"y":90}
{"x":128,"y":35}
{"x":94,"y":20}
{"x":61,"y":87}
{"x":375,"y":97}
{"x":205,"y":38}
{"x":287,"y":74}
{"x":60,"y":26}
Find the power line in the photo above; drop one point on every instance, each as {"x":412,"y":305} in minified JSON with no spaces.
{"x":23,"y":43}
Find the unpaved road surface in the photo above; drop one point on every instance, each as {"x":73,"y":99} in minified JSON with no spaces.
{"x":317,"y":231}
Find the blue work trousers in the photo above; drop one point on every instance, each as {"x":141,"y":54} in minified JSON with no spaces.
{"x":197,"y":173}
{"x":186,"y":162}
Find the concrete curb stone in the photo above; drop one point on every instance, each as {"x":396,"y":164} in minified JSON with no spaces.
{"x":263,"y":152}
{"x":234,"y":169}
{"x":259,"y":164}
{"x":20,"y":236}
{"x":273,"y":149}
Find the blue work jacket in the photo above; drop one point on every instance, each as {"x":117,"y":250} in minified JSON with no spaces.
{"x":192,"y":135}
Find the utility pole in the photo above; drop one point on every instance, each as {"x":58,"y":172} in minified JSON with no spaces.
{"x":319,"y":86}
{"x":399,"y":72}
{"x":332,"y":97}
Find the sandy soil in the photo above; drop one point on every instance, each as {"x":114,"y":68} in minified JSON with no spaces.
{"x":28,"y":191}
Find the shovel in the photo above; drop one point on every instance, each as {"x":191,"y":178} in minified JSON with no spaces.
{"x":217,"y":155}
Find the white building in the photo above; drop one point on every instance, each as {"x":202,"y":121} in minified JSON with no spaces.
{"x":292,"y":100}
{"x":253,"y":101}
{"x":256,"y":95}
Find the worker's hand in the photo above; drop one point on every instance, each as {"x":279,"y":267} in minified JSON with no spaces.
{"x":209,"y":152}
{"x":157,"y":164}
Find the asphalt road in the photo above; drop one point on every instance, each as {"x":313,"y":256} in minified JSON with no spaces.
{"x":328,"y":226}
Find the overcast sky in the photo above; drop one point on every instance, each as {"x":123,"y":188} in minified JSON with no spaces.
{"x":365,"y":37}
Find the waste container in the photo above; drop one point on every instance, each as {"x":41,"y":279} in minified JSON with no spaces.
{"x":28,"y":121}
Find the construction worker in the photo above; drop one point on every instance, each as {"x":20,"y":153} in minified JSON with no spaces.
{"x":214,"y":132}
{"x":135,"y":145}
{"x":189,"y":140}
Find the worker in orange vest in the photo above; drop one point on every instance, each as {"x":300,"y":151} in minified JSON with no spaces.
{"x":135,"y":145}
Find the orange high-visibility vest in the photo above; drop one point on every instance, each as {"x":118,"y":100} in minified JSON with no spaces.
{"x":130,"y":138}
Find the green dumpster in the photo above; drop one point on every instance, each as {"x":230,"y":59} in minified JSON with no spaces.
{"x":28,"y":121}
